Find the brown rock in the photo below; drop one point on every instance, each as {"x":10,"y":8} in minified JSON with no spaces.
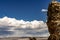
{"x":53,"y":22}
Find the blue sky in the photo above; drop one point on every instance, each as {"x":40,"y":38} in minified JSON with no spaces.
{"x":23,"y":18}
{"x":24,"y":9}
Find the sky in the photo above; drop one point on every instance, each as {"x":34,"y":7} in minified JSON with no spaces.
{"x":23,"y":18}
{"x":27,"y":10}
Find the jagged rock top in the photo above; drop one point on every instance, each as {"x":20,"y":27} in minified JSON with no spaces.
{"x":54,"y":7}
{"x":56,"y":3}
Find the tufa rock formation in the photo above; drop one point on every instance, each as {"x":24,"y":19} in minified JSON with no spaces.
{"x":32,"y":38}
{"x":53,"y":21}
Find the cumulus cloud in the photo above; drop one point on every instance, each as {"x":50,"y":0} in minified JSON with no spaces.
{"x":44,"y":10}
{"x":6,"y":21}
{"x":20,"y":28}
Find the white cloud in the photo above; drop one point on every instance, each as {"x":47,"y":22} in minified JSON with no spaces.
{"x":44,"y":10}
{"x":6,"y":21}
{"x":14,"y":27}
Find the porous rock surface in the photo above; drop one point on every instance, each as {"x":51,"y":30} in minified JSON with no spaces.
{"x":53,"y":20}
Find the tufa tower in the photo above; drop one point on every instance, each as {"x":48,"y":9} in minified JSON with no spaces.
{"x":53,"y":20}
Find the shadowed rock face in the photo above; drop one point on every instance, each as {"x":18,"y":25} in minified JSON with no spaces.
{"x":53,"y":22}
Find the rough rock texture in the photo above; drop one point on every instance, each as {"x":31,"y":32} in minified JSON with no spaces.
{"x":53,"y":22}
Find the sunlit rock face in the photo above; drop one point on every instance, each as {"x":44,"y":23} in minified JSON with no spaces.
{"x":53,"y":22}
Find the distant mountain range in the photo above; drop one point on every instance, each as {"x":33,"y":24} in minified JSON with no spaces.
{"x":24,"y":38}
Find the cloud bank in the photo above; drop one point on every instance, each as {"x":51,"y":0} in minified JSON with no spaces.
{"x":10,"y":27}
{"x":6,"y":21}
